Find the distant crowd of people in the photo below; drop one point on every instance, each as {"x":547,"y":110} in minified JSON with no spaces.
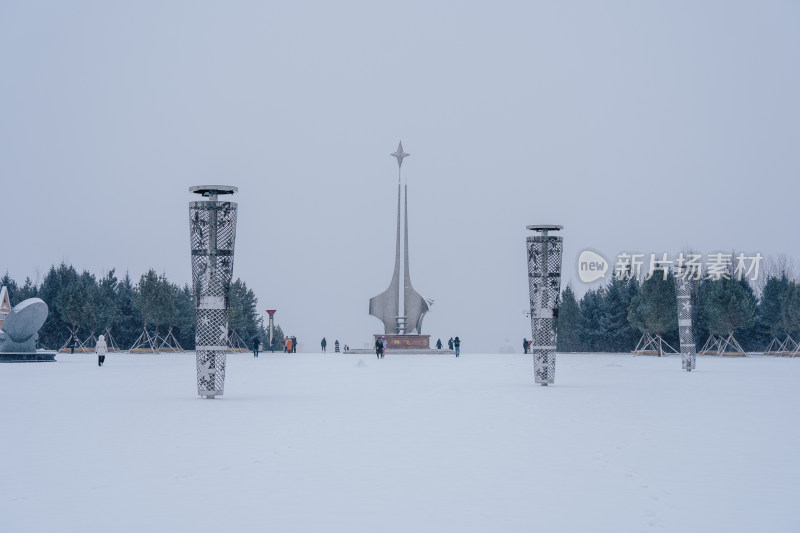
{"x":454,"y":344}
{"x":290,"y":346}
{"x":324,"y":344}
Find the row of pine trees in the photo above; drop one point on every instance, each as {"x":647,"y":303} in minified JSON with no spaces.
{"x":612,"y":318}
{"x":84,"y":303}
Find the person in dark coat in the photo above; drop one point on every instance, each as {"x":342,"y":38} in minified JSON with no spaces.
{"x":525,"y":345}
{"x":378,"y":347}
{"x":457,"y":345}
{"x":450,"y":343}
{"x":324,"y":343}
{"x":256,"y":344}
{"x":438,"y":344}
{"x":294,"y":344}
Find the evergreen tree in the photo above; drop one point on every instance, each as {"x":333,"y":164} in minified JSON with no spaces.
{"x":277,"y":338}
{"x":106,"y":308}
{"x":617,"y":333}
{"x":243,"y":314}
{"x":128,"y":322}
{"x":11,"y":288}
{"x":28,"y":290}
{"x":655,"y":310}
{"x":699,"y":311}
{"x":71,"y":299}
{"x":728,"y":307}
{"x":748,"y":335}
{"x":569,"y":316}
{"x":591,"y":331}
{"x":186,"y":312}
{"x":53,"y":333}
{"x":768,"y":311}
{"x":790,"y":309}
{"x":91,"y":303}
{"x":154,"y":299}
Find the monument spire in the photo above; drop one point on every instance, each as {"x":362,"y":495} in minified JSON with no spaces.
{"x":400,"y":297}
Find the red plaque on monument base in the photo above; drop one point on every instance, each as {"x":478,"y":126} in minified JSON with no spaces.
{"x":406,"y":342}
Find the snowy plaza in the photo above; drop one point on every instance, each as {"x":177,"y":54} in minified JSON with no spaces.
{"x":411,"y":443}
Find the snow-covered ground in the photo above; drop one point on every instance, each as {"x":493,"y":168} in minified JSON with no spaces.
{"x":347,"y":443}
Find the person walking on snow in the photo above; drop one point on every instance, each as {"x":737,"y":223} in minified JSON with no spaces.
{"x":378,"y":347}
{"x":256,"y":344}
{"x":101,"y":348}
{"x":457,"y":344}
{"x":525,"y":345}
{"x":438,"y":344}
{"x":450,"y":343}
{"x":324,"y":343}
{"x":289,"y":345}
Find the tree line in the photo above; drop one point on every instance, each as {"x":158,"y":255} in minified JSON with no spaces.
{"x":87,"y":304}
{"x":612,"y":318}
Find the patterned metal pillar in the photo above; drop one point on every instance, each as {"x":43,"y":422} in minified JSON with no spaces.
{"x":213,"y":234}
{"x":544,"y":283}
{"x":688,"y":349}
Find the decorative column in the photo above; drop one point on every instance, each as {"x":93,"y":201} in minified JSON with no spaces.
{"x":212,"y":234}
{"x":688,"y":349}
{"x":544,"y":283}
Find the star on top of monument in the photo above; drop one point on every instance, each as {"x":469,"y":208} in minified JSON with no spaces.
{"x":400,"y":154}
{"x":687,"y":306}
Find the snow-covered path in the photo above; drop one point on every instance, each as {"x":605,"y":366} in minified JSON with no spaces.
{"x":415,"y":443}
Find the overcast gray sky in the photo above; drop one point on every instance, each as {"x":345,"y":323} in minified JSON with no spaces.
{"x":646,"y":126}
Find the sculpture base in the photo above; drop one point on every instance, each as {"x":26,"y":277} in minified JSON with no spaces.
{"x":31,"y":357}
{"x":406,"y":342}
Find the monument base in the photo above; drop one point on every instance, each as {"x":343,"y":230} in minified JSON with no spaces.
{"x":406,"y":342}
{"x":32,"y":357}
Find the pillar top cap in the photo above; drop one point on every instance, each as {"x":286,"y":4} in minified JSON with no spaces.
{"x":207,"y":190}
{"x":544,"y":227}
